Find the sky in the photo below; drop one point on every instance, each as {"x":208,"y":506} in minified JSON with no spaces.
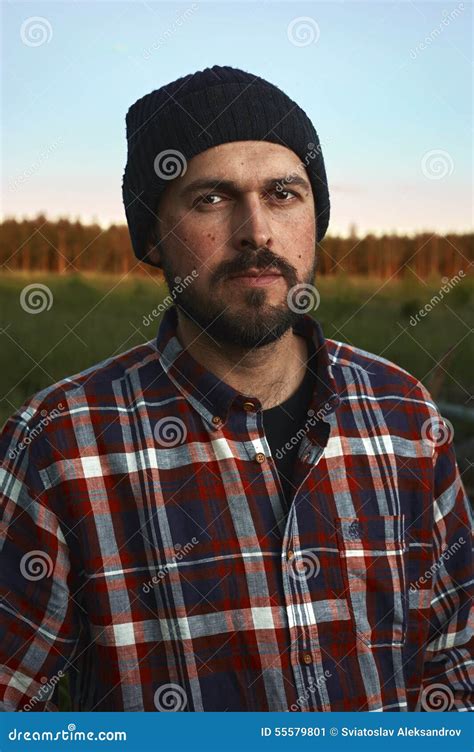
{"x":387,"y":85}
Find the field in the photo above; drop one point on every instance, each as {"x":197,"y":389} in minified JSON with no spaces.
{"x":94,"y":316}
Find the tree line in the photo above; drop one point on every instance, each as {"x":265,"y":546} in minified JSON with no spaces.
{"x":65,"y":246}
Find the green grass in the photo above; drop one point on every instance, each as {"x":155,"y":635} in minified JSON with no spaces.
{"x":93,"y":317}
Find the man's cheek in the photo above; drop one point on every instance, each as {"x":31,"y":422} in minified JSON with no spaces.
{"x":201,"y":255}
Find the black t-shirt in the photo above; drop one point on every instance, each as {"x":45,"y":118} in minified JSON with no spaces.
{"x":282,"y":423}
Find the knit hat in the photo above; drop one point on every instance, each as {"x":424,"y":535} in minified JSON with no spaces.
{"x":169,"y":126}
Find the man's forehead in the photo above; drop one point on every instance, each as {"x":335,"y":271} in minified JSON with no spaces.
{"x":241,"y":163}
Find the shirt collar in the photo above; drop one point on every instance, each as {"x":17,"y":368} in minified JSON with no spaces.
{"x":213,"y":398}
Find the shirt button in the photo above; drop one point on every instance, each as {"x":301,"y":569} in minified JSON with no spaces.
{"x":354,"y":530}
{"x":260,"y":457}
{"x":307,"y":658}
{"x":248,"y":406}
{"x":216,"y":420}
{"x":290,"y":554}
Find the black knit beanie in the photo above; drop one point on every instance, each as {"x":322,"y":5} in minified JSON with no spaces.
{"x":169,"y":126}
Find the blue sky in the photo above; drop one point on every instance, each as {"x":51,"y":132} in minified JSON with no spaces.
{"x":387,"y":86}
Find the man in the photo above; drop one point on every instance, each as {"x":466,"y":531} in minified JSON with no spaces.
{"x":240,"y":514}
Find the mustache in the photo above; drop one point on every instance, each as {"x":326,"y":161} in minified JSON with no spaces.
{"x":261,"y":259}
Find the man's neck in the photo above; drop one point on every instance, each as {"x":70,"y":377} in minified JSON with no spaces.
{"x":271,"y":373}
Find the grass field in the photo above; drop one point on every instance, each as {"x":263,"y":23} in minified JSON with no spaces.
{"x":92,"y":317}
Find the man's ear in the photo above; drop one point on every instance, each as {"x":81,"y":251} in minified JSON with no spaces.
{"x":153,"y":252}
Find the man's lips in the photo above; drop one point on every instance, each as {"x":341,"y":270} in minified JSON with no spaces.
{"x":256,"y":277}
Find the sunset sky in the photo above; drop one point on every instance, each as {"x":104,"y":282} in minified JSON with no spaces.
{"x":387,"y":86}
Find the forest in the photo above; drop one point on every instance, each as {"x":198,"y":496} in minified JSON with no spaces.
{"x":66,"y":246}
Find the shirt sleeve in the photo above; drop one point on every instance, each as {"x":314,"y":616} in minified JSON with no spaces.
{"x":448,"y":676}
{"x":39,"y":620}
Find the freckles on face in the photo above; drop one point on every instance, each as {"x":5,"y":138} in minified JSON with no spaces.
{"x":225,"y":205}
{"x":189,"y":248}
{"x":194,"y":243}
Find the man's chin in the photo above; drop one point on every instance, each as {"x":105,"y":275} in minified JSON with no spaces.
{"x":240,"y":325}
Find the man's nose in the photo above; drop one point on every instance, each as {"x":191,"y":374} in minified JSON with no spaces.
{"x":251,"y":224}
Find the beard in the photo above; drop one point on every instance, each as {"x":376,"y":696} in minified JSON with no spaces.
{"x":251,"y":323}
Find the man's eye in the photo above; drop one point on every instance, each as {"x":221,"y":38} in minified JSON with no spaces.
{"x":283,"y":195}
{"x":206,"y":199}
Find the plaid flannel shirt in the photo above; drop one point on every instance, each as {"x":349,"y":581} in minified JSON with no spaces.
{"x":146,"y":548}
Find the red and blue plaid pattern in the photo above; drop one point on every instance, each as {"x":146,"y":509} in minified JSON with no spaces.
{"x":147,"y":550}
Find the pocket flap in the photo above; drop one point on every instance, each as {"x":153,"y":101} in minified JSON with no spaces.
{"x":372,"y":534}
{"x":373,"y":566}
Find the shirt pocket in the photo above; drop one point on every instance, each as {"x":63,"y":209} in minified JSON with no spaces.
{"x":373,"y":561}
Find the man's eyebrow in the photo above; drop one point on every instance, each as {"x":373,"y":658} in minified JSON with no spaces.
{"x":229,"y":185}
